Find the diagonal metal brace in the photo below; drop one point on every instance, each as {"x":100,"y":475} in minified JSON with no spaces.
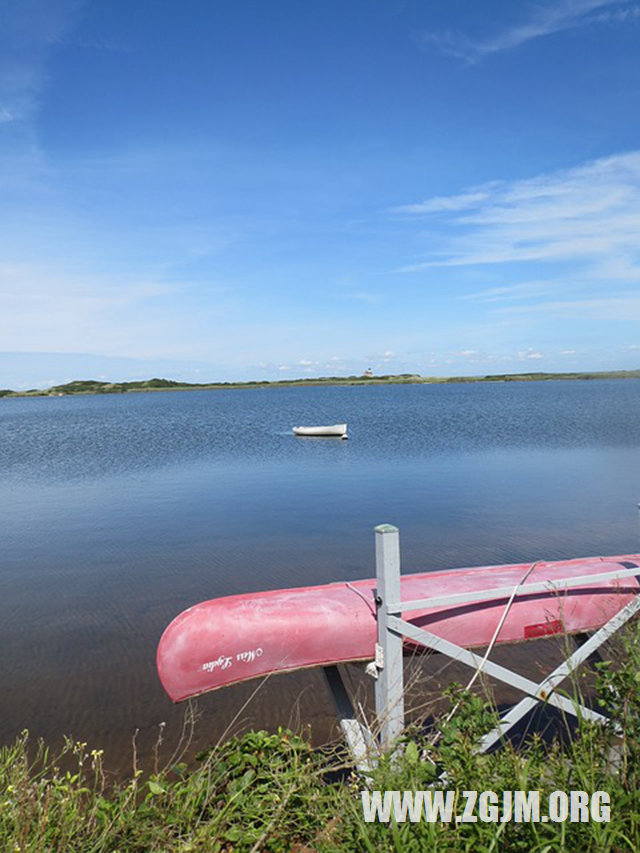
{"x":359,"y":740}
{"x":501,"y":673}
{"x":559,"y":674}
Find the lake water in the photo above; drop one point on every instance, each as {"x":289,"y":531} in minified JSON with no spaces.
{"x":120,"y":511}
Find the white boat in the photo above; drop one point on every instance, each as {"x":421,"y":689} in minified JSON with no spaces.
{"x":335,"y":431}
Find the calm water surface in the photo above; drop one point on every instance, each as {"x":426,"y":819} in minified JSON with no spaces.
{"x":120,"y":511}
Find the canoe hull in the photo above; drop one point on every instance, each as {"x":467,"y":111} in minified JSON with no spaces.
{"x":228,"y":640}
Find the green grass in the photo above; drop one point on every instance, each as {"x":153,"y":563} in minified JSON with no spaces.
{"x":274,"y":792}
{"x":262,"y":791}
{"x":94,"y":386}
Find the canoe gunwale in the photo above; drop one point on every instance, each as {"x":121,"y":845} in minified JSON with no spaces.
{"x":584,"y":583}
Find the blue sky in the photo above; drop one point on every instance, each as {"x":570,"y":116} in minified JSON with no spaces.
{"x":213,"y":190}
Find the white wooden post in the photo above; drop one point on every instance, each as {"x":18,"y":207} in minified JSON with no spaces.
{"x":389,"y":689}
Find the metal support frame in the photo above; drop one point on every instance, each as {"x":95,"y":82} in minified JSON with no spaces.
{"x":389,"y":690}
{"x":359,"y":739}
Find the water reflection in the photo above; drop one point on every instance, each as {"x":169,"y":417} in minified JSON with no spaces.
{"x":118,"y":512}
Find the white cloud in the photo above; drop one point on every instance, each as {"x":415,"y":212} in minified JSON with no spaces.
{"x":529,"y":354}
{"x":29,"y":28}
{"x":616,"y":16}
{"x":525,"y":290}
{"x":618,"y":307}
{"x":363,"y":296}
{"x":545,"y":20}
{"x":57,"y":308}
{"x":440,"y":204}
{"x":588,"y":216}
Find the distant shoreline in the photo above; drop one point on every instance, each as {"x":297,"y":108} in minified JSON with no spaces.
{"x":91,"y":386}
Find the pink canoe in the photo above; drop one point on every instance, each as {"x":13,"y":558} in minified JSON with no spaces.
{"x":228,"y":640}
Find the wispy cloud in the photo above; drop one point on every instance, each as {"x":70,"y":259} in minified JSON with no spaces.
{"x":525,"y":290}
{"x":47,"y":308}
{"x":622,"y":307}
{"x":529,"y":355}
{"x":445,"y":203}
{"x":29,"y":28}
{"x":588,"y":217}
{"x":545,"y":20}
{"x":362,"y":296}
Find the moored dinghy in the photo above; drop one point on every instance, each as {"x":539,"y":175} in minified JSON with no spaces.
{"x":334,"y":431}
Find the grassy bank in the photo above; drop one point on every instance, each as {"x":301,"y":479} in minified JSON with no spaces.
{"x":273,"y":792}
{"x":92,"y":386}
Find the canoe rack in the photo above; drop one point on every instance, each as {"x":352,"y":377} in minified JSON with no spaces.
{"x":387,"y":668}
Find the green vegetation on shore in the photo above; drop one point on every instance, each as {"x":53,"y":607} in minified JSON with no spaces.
{"x":93,"y":386}
{"x":273,"y":792}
